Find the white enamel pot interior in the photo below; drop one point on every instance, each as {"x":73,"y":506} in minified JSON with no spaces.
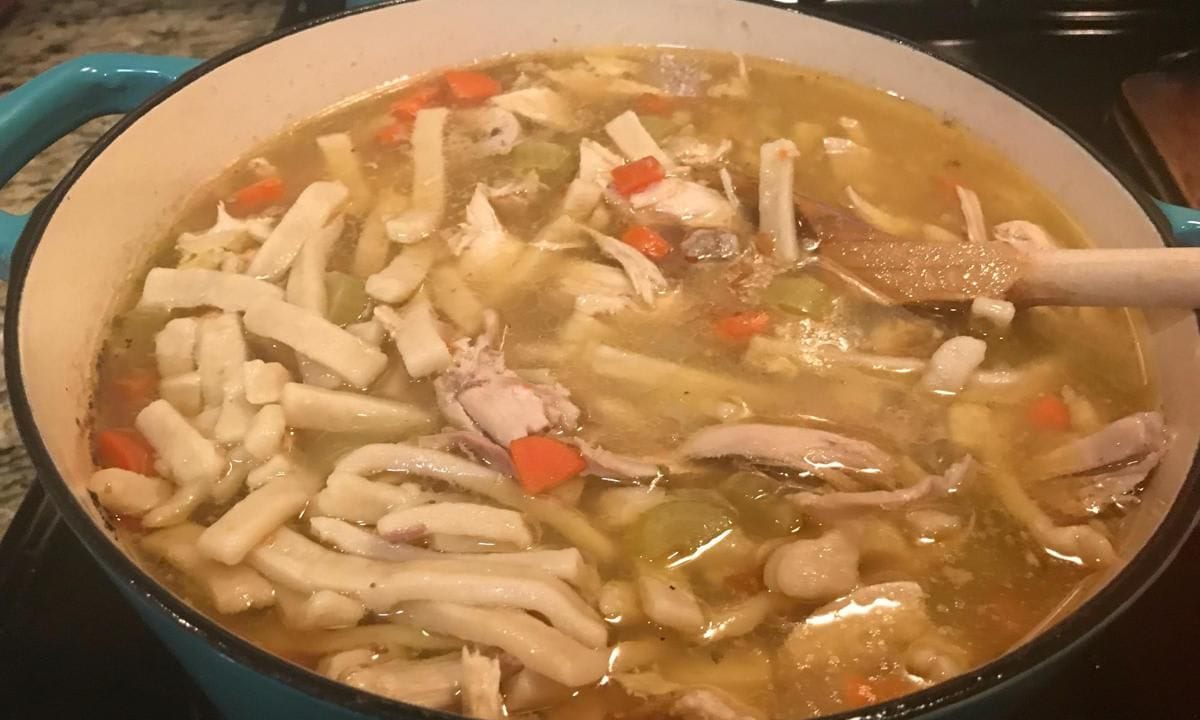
{"x":79,"y":256}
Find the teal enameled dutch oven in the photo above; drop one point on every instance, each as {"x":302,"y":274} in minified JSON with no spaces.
{"x":186,"y":121}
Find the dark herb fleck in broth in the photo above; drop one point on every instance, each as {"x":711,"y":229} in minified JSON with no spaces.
{"x":750,"y":490}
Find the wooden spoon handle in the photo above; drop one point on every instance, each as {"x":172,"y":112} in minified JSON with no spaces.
{"x":1158,"y":277}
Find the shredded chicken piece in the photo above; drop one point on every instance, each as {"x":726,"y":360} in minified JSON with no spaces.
{"x":1024,"y":235}
{"x":497,"y":130}
{"x":687,"y":202}
{"x":788,"y":446}
{"x":542,"y":105}
{"x":1132,"y":436}
{"x":647,"y":279}
{"x":433,"y":683}
{"x":605,"y":463}
{"x":478,"y":391}
{"x":484,"y":244}
{"x":948,"y":482}
{"x":972,"y":214}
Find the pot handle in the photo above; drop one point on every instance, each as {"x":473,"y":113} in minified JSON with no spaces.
{"x":1185,"y":222}
{"x":61,"y":99}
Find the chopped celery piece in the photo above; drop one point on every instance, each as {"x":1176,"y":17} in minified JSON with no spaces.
{"x":759,"y":501}
{"x":659,"y":127}
{"x":802,"y":294}
{"x":672,"y":532}
{"x":348,"y":301}
{"x":540,"y":155}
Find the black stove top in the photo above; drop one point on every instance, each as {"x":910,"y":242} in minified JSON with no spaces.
{"x":71,"y":648}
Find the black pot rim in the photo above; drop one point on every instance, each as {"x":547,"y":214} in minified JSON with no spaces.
{"x":1084,"y":621}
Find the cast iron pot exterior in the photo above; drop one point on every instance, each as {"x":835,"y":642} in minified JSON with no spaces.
{"x":245,"y":682}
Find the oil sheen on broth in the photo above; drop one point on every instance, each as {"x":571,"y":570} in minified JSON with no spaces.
{"x":731,"y":482}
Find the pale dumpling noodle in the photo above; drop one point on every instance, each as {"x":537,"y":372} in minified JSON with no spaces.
{"x":525,"y":388}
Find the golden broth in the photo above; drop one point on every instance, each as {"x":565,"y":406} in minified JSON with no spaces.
{"x":988,"y":583}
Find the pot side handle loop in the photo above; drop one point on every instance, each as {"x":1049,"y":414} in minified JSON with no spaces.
{"x":61,"y":99}
{"x":1185,"y":222}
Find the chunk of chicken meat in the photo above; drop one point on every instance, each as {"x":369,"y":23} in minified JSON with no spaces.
{"x":817,"y":451}
{"x":1133,"y":436}
{"x":478,"y":392}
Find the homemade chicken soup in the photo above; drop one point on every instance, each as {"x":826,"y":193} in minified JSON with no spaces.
{"x":529,"y":388}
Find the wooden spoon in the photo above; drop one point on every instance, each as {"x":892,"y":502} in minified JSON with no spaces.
{"x":917,"y":272}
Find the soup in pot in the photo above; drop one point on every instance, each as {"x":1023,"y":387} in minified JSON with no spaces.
{"x":527,"y":388}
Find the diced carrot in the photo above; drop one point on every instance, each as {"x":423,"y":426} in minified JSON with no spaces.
{"x":395,"y":133}
{"x":544,"y":463}
{"x":646,"y":241}
{"x":857,"y":691}
{"x":469,"y":86}
{"x":124,"y":449}
{"x":416,"y":99}
{"x":137,"y":387}
{"x":1049,"y":413}
{"x":891,"y":686}
{"x":653,"y":104}
{"x":637,"y":175}
{"x":742,"y":326}
{"x":257,"y":195}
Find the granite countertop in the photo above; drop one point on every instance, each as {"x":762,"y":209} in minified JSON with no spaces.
{"x":37,"y":36}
